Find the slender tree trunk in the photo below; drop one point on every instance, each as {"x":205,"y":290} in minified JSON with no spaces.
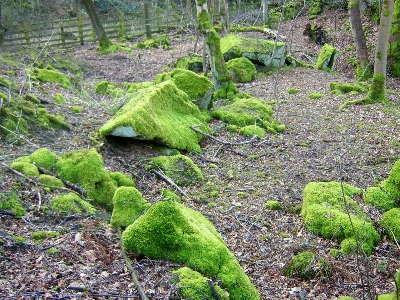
{"x":147,"y":20}
{"x":359,"y":38}
{"x":224,"y":14}
{"x":265,"y":10}
{"x":102,"y":37}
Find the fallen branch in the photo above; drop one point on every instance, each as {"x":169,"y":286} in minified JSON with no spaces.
{"x":194,"y":127}
{"x":213,"y":290}
{"x":130,"y":268}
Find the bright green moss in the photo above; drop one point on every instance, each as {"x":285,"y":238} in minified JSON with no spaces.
{"x":180,"y":168}
{"x":197,"y":87}
{"x":227,"y":90}
{"x":192,"y":63}
{"x":52,"y":76}
{"x":50,"y":180}
{"x":10,"y":201}
{"x":44,"y":158}
{"x":71,"y":204}
{"x":315,"y":95}
{"x":376,"y":91}
{"x":347,"y":87}
{"x":47,"y":120}
{"x":348,"y":246}
{"x":252,"y":130}
{"x":107,"y":88}
{"x":171,"y":230}
{"x":122,"y":179}
{"x":193,"y":285}
{"x":306,"y":265}
{"x":135,"y":86}
{"x":25,"y":168}
{"x":244,"y":112}
{"x":272,"y":205}
{"x":232,"y":128}
{"x":292,"y":91}
{"x":325,"y":214}
{"x":396,"y":293}
{"x":39,"y":236}
{"x":59,"y":98}
{"x":161,"y":112}
{"x":242,"y":69}
{"x":391,"y":222}
{"x":32,"y":98}
{"x":86,"y":168}
{"x":76,"y":109}
{"x":169,"y":195}
{"x":128,"y":205}
{"x":346,"y":298}
{"x":379,"y":198}
{"x":327,"y":58}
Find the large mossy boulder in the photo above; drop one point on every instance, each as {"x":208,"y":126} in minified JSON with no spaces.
{"x":180,"y":168}
{"x":199,"y":88}
{"x":261,"y":51}
{"x":162,"y":113}
{"x":387,"y":195}
{"x":327,"y":209}
{"x":170,"y":230}
{"x":327,"y":58}
{"x":86,"y":168}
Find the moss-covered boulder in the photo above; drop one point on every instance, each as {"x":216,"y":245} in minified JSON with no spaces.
{"x":128,"y":205}
{"x":193,"y":285}
{"x":327,"y":58}
{"x":387,"y":194}
{"x":161,"y":113}
{"x":180,"y":168}
{"x":391,"y":222}
{"x":252,"y":130}
{"x":199,"y":88}
{"x":170,"y":230}
{"x":241,"y":69}
{"x":307,"y":265}
{"x":261,"y":51}
{"x":327,"y":209}
{"x":86,"y":168}
{"x":192,"y":63}
{"x":44,"y":158}
{"x":50,"y":180}
{"x":71,"y":204}
{"x":24,"y":167}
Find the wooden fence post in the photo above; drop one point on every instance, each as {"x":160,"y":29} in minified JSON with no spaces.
{"x":26,"y":33}
{"x":62,"y":35}
{"x":147,"y":19}
{"x":80,"y":29}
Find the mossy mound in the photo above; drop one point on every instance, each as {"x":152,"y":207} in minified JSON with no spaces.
{"x":199,"y":88}
{"x":327,"y":58}
{"x":193,"y":285}
{"x":10,"y":201}
{"x":71,"y":204}
{"x":262,"y":51}
{"x":327,"y":209}
{"x":122,"y":179}
{"x":387,"y":195}
{"x":108,"y":88}
{"x":86,"y":168}
{"x":396,"y":293}
{"x":391,"y":222}
{"x":52,"y":76}
{"x":128,"y":205}
{"x":50,"y":180}
{"x":44,"y":158}
{"x":26,"y":168}
{"x":180,"y":168}
{"x":252,"y":130}
{"x":244,"y":111}
{"x":272,"y":205}
{"x":307,"y":265}
{"x":342,"y":87}
{"x":162,"y":113}
{"x":241,"y":69}
{"x":191,"y":63}
{"x":170,"y":230}
{"x":135,"y":86}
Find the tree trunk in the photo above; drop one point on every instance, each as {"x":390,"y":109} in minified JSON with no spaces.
{"x":102,"y":37}
{"x":147,"y":20}
{"x":359,"y":40}
{"x":377,"y":90}
{"x":265,"y":10}
{"x":224,"y":14}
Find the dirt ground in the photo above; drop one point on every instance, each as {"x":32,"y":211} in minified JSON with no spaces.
{"x":321,"y":143}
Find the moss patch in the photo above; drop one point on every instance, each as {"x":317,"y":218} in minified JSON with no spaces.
{"x":25,"y":168}
{"x":272,"y":205}
{"x":128,"y":205}
{"x":327,"y":58}
{"x":10,"y":201}
{"x":192,"y":63}
{"x":391,"y":222}
{"x":122,"y":179}
{"x":325,"y":214}
{"x":50,"y":180}
{"x":252,"y":130}
{"x":71,"y":204}
{"x":44,"y":158}
{"x":180,"y":168}
{"x":52,"y":76}
{"x":306,"y":265}
{"x":171,"y":230}
{"x":162,"y":113}
{"x":242,"y":69}
{"x":39,"y":236}
{"x":59,"y":99}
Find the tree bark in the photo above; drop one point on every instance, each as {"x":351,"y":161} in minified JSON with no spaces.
{"x":359,"y":38}
{"x":101,"y":35}
{"x":147,"y":19}
{"x":224,"y":14}
{"x":265,"y":10}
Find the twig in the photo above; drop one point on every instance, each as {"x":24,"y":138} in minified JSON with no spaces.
{"x":129,"y":266}
{"x":213,"y":290}
{"x":194,"y":127}
{"x":20,"y":136}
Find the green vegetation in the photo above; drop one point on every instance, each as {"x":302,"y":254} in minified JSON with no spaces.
{"x":192,"y":63}
{"x":49,"y":74}
{"x":307,"y":265}
{"x":327,"y":58}
{"x":272,"y":205}
{"x":49,"y":180}
{"x":59,"y":98}
{"x":44,"y":158}
{"x":292,"y":91}
{"x":242,"y":69}
{"x":252,"y":130}
{"x":39,"y":236}
{"x":171,"y":230}
{"x":76,"y":109}
{"x":341,"y":87}
{"x":315,"y":95}
{"x":25,"y":168}
{"x":71,"y":204}
{"x":10,"y":201}
{"x":391,"y":222}
{"x":122,"y":179}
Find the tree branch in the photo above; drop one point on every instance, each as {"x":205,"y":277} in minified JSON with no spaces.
{"x":194,"y":128}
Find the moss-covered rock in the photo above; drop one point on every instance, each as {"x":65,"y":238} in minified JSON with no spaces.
{"x":44,"y":158}
{"x":108,"y":88}
{"x":122,"y":179}
{"x":52,"y":76}
{"x":242,"y":69}
{"x":391,"y":222}
{"x":48,"y":121}
{"x":343,"y":87}
{"x":192,"y":63}
{"x":162,"y":113}
{"x":170,"y":230}
{"x":10,"y":201}
{"x":197,"y":87}
{"x":245,"y":111}
{"x":262,"y":51}
{"x":71,"y":204}
{"x":327,"y":58}
{"x":327,"y":209}
{"x":86,"y":168}
{"x":193,"y":285}
{"x":26,"y":168}
{"x":252,"y":130}
{"x":50,"y":180}
{"x":128,"y":205}
{"x":135,"y":86}
{"x":307,"y":265}
{"x":180,"y":168}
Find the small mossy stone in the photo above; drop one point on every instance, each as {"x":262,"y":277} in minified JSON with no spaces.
{"x":169,"y":195}
{"x":10,"y":201}
{"x":76,"y":109}
{"x":25,"y":168}
{"x":391,"y":222}
{"x":52,"y":76}
{"x":272,"y":205}
{"x":180,"y":168}
{"x":242,"y":69}
{"x":252,"y":130}
{"x":71,"y":204}
{"x":193,"y":285}
{"x":49,"y":180}
{"x":327,"y":58}
{"x":122,"y":179}
{"x":192,"y":63}
{"x":59,"y":98}
{"x":315,"y":96}
{"x":44,"y":158}
{"x":128,"y":205}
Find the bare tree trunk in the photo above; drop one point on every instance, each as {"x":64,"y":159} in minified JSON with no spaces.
{"x":265,"y":10}
{"x":102,"y":37}
{"x":359,"y":38}
{"x":224,"y":14}
{"x":147,"y":19}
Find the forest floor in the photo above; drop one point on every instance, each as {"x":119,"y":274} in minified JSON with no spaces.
{"x":357,"y":145}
